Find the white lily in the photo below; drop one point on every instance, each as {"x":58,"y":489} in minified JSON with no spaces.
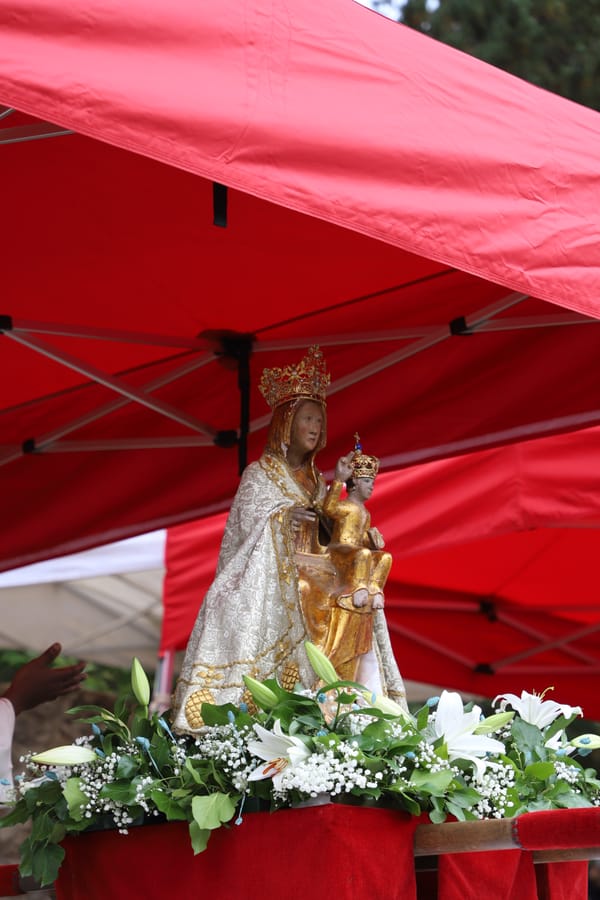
{"x":280,"y":751}
{"x":457,"y":728}
{"x":559,"y":744}
{"x":70,"y":755}
{"x":534,"y":709}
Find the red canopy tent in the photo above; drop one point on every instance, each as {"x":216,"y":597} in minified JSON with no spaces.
{"x":420,"y":214}
{"x":493,"y":586}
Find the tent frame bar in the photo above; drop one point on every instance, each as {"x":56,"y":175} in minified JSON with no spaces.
{"x":34,"y":132}
{"x":110,"y":381}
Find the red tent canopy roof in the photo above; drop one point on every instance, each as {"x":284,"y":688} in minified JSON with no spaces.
{"x":390,"y":198}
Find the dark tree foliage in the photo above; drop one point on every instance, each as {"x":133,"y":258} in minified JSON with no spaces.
{"x":552,"y":43}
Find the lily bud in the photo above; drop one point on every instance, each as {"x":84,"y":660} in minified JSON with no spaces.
{"x":387,"y":705}
{"x":139,"y":683}
{"x":586,"y":742}
{"x":493,"y":723}
{"x":70,"y":755}
{"x":320,"y":663}
{"x":263,"y":695}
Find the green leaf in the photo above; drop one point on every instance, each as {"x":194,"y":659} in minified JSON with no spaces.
{"x":217,"y":715}
{"x":466,"y":798}
{"x":541,"y":770}
{"x":199,"y":837}
{"x":17,"y":815}
{"x":345,"y":699}
{"x":140,"y":723}
{"x":571,"y":800}
{"x":438,"y":816}
{"x":127,"y":767}
{"x":558,"y":725}
{"x":41,"y":828}
{"x":527,"y":737}
{"x":45,"y":863}
{"x":432,"y":782}
{"x":75,"y":798}
{"x":212,"y":810}
{"x":422,"y":717}
{"x":123,"y":791}
{"x":456,"y":811}
{"x":26,"y":856}
{"x":410,"y":804}
{"x":169,"y":807}
{"x":191,"y":768}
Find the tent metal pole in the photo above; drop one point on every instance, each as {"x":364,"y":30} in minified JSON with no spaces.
{"x":111,"y":382}
{"x":127,"y":444}
{"x":420,"y":331}
{"x":108,"y":408}
{"x":549,"y":645}
{"x":439,"y":334}
{"x":493,"y":439}
{"x":541,"y":636}
{"x":109,"y":334}
{"x":33,"y":132}
{"x":430,"y":644}
{"x":580,"y":671}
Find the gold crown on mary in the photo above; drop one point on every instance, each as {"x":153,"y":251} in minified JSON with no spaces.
{"x":363,"y":465}
{"x":308,"y":380}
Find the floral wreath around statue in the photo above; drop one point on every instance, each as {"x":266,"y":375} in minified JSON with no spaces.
{"x":341,"y":744}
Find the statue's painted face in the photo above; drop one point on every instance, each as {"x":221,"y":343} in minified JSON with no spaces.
{"x":306,"y":427}
{"x":364,"y":487}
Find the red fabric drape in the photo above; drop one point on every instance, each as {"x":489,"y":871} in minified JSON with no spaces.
{"x":558,"y":828}
{"x":509,"y":875}
{"x":333,"y":851}
{"x":499,"y":875}
{"x":329,"y":851}
{"x":9,"y":876}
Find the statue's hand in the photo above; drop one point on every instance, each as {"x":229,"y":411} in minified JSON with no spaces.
{"x":343,"y":469}
{"x":378,"y":601}
{"x":300,"y":516}
{"x":376,"y":538}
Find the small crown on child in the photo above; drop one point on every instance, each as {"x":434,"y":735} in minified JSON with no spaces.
{"x":363,"y":465}
{"x":308,"y":379}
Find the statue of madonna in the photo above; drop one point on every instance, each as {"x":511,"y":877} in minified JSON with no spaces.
{"x":257,"y":613}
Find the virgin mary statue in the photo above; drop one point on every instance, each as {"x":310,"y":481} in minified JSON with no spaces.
{"x":254,"y":619}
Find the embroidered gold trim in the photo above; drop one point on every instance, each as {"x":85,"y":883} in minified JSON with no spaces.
{"x":193,"y":707}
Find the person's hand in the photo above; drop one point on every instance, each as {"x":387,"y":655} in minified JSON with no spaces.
{"x":343,"y":469}
{"x":36,"y":682}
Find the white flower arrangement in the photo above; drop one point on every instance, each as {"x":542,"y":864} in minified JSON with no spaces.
{"x":339,"y":745}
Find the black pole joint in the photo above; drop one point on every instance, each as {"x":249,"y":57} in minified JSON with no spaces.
{"x":488,"y":608}
{"x":459,"y":326}
{"x":484,"y":669}
{"x":219,"y":205}
{"x":233,"y":349}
